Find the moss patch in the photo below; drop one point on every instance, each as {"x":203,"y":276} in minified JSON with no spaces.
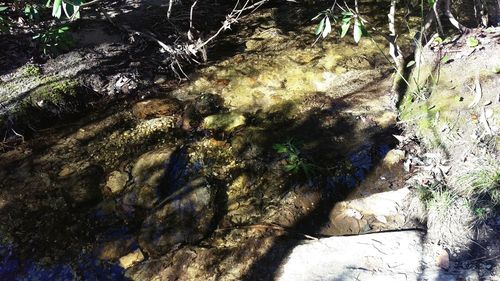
{"x":55,"y":92}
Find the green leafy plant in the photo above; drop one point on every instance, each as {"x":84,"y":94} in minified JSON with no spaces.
{"x":438,"y":40}
{"x":31,"y":12}
{"x":324,"y":26}
{"x":55,"y":40}
{"x":481,"y":213}
{"x":445,"y":59}
{"x":4,"y":24}
{"x":347,"y":19}
{"x":472,"y":42}
{"x":424,"y":194}
{"x":70,"y":8}
{"x":296,"y":162}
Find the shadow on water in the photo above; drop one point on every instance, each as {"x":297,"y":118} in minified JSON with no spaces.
{"x":86,"y":268}
{"x":333,"y":189}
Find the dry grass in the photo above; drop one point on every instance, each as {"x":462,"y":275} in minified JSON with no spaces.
{"x":450,"y":219}
{"x":479,"y":180}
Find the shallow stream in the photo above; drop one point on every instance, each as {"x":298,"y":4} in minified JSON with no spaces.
{"x":216,"y":179}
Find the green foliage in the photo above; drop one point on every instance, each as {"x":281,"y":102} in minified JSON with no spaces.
{"x":4,"y":24}
{"x":70,"y":8}
{"x":472,"y":42}
{"x":347,"y":19}
{"x":31,"y":70}
{"x":424,"y":194}
{"x":481,"y":213}
{"x":441,"y":200}
{"x":445,"y":59}
{"x":324,"y":27}
{"x":55,"y":40}
{"x":31,"y":12}
{"x":296,"y":162}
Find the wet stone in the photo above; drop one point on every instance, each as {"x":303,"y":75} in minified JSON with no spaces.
{"x":185,"y":217}
{"x":116,"y":181}
{"x":155,"y":108}
{"x":114,"y":249}
{"x":147,"y":173}
{"x":131,"y":259}
{"x":83,"y":187}
{"x":393,"y":157}
{"x":160,"y":79}
{"x":207,"y":104}
{"x":65,"y":171}
{"x":225,"y":122}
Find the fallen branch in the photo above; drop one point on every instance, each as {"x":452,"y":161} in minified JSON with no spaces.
{"x":452,"y":19}
{"x":268,"y":226}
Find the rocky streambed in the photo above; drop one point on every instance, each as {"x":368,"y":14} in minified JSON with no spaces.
{"x":219,"y":178}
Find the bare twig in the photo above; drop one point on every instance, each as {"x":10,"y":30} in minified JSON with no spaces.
{"x":435,"y":9}
{"x":169,"y":11}
{"x":191,"y":15}
{"x":230,"y":19}
{"x":451,"y":18}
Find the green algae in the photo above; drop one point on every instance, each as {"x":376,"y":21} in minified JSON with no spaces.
{"x":225,"y":121}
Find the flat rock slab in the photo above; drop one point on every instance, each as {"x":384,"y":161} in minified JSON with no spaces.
{"x":380,"y":256}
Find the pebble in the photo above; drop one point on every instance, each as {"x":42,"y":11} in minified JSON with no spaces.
{"x":131,"y":259}
{"x":116,"y":181}
{"x":65,"y":171}
{"x":443,"y":259}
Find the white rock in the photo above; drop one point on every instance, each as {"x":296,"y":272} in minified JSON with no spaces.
{"x":116,"y":181}
{"x":131,"y":259}
{"x":381,"y":256}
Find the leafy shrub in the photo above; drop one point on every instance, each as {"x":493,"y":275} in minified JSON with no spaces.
{"x":4,"y":24}
{"x":347,"y":19}
{"x":296,"y":162}
{"x":55,"y":40}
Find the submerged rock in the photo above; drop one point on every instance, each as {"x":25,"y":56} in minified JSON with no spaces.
{"x":147,"y":173}
{"x":226,"y":121}
{"x":184,"y":217}
{"x":393,"y":157}
{"x":115,"y":249}
{"x":116,"y":181}
{"x":204,"y":105}
{"x":83,"y":187}
{"x":155,"y":108}
{"x":208,"y":103}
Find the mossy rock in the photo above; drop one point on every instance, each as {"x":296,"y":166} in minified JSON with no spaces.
{"x":55,"y":92}
{"x":225,"y":121}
